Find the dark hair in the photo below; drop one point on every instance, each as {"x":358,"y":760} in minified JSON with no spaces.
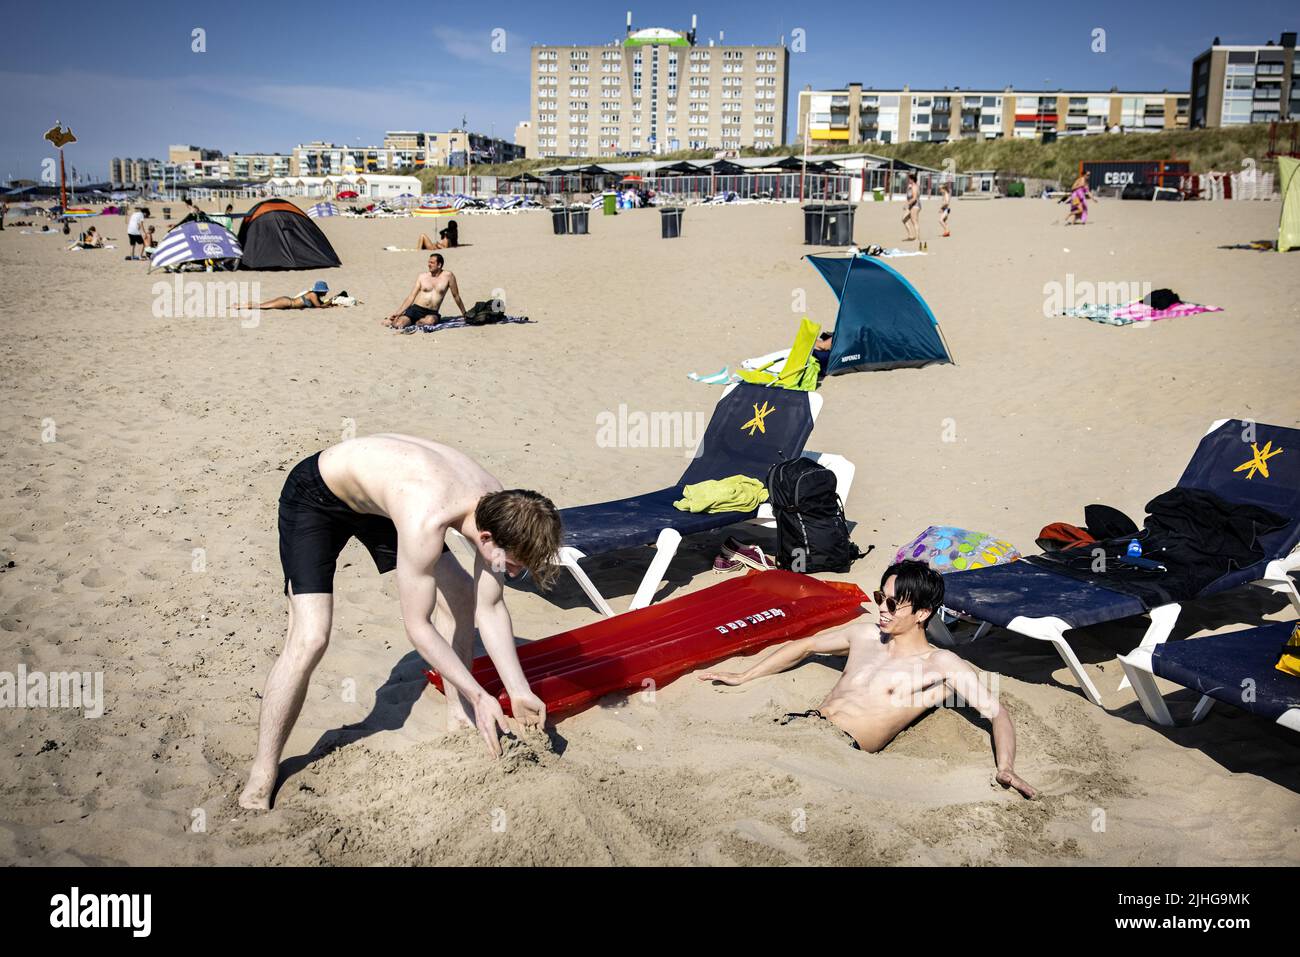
{"x":452,"y":233}
{"x":438,"y":256}
{"x":917,"y":583}
{"x":527,"y":525}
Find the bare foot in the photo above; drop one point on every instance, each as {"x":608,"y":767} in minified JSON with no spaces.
{"x":257,"y":795}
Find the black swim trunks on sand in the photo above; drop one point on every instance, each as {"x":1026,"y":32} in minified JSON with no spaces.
{"x":417,"y":313}
{"x":814,"y":713}
{"x":315,"y":524}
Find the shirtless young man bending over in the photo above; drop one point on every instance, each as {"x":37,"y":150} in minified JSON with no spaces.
{"x":423,"y":302}
{"x":893,"y":675}
{"x":400,"y":496}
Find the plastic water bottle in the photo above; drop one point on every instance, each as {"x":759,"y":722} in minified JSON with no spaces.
{"x":1134,"y":549}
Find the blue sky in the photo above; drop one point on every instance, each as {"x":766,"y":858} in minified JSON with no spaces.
{"x":275,"y":75}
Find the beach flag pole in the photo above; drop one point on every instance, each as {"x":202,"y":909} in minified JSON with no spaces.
{"x":804,"y":172}
{"x":61,"y":136}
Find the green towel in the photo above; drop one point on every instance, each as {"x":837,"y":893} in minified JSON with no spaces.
{"x":738,"y":493}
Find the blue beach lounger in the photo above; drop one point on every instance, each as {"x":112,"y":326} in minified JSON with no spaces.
{"x":753,"y":427}
{"x":1242,"y":462}
{"x":1238,"y":668}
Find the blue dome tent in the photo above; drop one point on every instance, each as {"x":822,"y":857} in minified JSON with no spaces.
{"x":883,"y":323}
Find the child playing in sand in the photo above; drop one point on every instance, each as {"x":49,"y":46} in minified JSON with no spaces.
{"x":893,"y":675}
{"x":400,"y":496}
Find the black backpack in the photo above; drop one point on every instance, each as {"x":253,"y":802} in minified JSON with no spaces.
{"x":811,"y":534}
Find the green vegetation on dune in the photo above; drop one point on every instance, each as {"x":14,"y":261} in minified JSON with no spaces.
{"x":1205,"y":150}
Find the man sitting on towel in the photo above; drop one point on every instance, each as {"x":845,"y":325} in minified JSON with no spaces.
{"x":893,"y":675}
{"x":423,"y":302}
{"x":400,"y":496}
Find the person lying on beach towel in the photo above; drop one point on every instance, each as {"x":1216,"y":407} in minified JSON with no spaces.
{"x":893,"y":675}
{"x":401,"y":496}
{"x":313,"y":298}
{"x":425,"y":299}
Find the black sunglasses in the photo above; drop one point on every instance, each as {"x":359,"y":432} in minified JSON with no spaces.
{"x":890,"y":605}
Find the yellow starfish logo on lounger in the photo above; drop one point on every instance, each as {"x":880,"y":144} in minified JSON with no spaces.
{"x":760,"y":414}
{"x":1259,"y":461}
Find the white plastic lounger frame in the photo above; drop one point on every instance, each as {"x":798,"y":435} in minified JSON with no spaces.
{"x":1277,"y":576}
{"x":1139,"y":671}
{"x":669,"y":539}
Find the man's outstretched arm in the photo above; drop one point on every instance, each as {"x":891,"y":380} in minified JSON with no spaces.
{"x":964,"y":680}
{"x":410,"y":298}
{"x":455,"y":294}
{"x":498,"y":634}
{"x":834,"y":642}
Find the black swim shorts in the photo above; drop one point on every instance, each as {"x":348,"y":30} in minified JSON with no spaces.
{"x":796,"y":715}
{"x":417,"y":313}
{"x":315,"y":524}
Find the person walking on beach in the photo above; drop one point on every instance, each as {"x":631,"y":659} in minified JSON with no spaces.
{"x":1079,"y":196}
{"x":422,"y":303}
{"x":912,"y":213}
{"x":945,"y":200}
{"x":893,"y":675}
{"x":400,"y":496}
{"x":135,"y":233}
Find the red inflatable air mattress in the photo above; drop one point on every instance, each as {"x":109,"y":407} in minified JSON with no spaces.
{"x":569,"y":671}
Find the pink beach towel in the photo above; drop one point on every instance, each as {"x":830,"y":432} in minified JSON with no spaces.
{"x":1141,"y":312}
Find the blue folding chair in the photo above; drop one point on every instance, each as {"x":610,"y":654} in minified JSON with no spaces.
{"x":1237,"y":668}
{"x":1242,"y":462}
{"x":732,"y":445}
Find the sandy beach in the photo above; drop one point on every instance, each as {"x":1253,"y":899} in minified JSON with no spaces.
{"x":144,"y":456}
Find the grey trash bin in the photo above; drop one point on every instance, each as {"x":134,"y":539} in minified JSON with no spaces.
{"x":670,"y":221}
{"x":839,"y":225}
{"x":578,"y":220}
{"x":814,"y":224}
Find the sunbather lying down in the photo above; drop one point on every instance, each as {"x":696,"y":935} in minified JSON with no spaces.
{"x":314,"y":298}
{"x":893,"y":675}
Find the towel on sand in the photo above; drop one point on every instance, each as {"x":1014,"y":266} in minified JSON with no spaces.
{"x":1136,"y":312}
{"x":460,"y":322}
{"x":736,"y":493}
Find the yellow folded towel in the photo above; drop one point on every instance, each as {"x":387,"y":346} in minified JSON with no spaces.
{"x":737,"y":493}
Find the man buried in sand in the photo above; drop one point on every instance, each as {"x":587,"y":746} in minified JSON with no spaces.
{"x":893,"y":675}
{"x":423,"y":302}
{"x":400,"y":496}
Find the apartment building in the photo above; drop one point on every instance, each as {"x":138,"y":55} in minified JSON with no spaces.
{"x":656,"y":91}
{"x":858,"y":115}
{"x":252,"y":166}
{"x":1246,"y":84}
{"x":524,"y":138}
{"x":124,"y":171}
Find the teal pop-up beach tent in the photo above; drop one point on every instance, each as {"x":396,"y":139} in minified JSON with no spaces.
{"x":883,"y":323}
